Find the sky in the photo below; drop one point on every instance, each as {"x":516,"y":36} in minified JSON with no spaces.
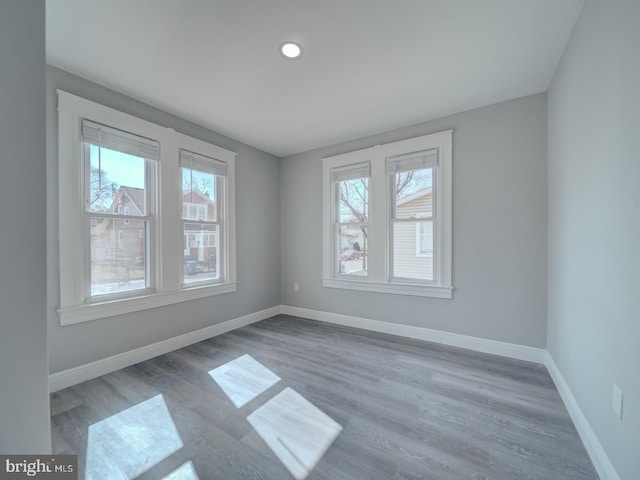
{"x":119,"y":168}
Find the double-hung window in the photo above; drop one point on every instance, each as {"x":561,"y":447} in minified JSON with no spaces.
{"x":351,"y":215}
{"x":123,"y":246}
{"x":387,"y":218}
{"x":411,"y":184}
{"x":203,"y":187}
{"x":119,"y":202}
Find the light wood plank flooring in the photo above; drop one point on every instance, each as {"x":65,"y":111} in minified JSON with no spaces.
{"x":319,"y":401}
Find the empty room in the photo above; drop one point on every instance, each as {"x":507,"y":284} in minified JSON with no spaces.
{"x":297,"y":239}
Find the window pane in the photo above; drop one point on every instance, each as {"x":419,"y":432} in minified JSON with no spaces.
{"x":407,"y":262}
{"x":117,"y":255}
{"x":414,"y":193}
{"x":198,"y":195}
{"x":201,"y":245}
{"x":353,"y":205}
{"x":353,"y":250}
{"x":116,"y":182}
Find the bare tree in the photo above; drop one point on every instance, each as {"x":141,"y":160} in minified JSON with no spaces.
{"x":354,"y":203}
{"x":354,"y":195}
{"x":101,"y":190}
{"x":354,"y":199}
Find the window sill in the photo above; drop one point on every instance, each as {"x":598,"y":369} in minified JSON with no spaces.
{"x":392,"y":288}
{"x":94,"y":311}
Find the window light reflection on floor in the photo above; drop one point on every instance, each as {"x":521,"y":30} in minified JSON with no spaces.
{"x":131,"y":442}
{"x":243,"y":379}
{"x":295,"y":430}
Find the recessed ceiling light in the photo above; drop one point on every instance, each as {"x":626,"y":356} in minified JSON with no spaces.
{"x":291,"y":50}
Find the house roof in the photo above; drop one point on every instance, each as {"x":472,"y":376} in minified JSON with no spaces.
{"x":136,"y":195}
{"x":414,"y":196}
{"x":197,"y":192}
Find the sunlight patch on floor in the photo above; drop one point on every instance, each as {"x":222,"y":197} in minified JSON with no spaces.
{"x":243,"y":379}
{"x":131,"y":442}
{"x":295,"y":430}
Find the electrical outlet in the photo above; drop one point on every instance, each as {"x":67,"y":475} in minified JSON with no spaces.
{"x":617,"y":401}
{"x":296,"y":287}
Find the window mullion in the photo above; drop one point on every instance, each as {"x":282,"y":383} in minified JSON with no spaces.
{"x":377,"y":256}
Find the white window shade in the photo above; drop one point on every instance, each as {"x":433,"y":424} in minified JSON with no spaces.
{"x":360,"y":170}
{"x":412,"y":161}
{"x":114,"y":139}
{"x":202,"y":163}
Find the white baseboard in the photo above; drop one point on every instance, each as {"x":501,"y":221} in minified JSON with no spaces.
{"x":73,"y":376}
{"x":504,"y":349}
{"x":598,"y":456}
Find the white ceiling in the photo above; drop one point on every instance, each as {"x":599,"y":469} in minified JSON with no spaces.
{"x":368,"y":66}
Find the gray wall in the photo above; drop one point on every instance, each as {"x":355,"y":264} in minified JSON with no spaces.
{"x":258,"y":243}
{"x":594,"y":222}
{"x":499,"y":229}
{"x":24,"y":401}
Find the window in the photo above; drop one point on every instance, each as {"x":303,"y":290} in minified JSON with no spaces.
{"x":351,"y":201}
{"x":118,"y":168}
{"x":387,"y":218}
{"x":203,"y":186}
{"x":411,"y":186}
{"x":121,"y":246}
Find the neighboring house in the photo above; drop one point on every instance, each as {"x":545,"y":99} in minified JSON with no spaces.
{"x":413,"y":241}
{"x":120,"y":239}
{"x":200,"y":241}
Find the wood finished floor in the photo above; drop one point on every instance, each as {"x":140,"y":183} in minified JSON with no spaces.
{"x":408,"y":410}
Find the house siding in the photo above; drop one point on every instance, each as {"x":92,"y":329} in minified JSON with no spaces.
{"x":406,"y":262}
{"x":105,"y":244}
{"x":193,"y":243}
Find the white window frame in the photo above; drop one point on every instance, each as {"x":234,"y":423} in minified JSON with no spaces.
{"x":206,"y":164}
{"x":379,"y":248}
{"x":364,"y":170}
{"x":165,"y":282}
